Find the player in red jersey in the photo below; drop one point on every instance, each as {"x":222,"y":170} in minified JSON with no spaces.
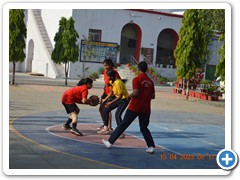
{"x":77,"y":94}
{"x":108,"y":65}
{"x":139,"y":106}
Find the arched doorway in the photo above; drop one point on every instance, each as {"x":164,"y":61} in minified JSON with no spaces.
{"x":30,"y":56}
{"x":166,"y":43}
{"x":131,"y":36}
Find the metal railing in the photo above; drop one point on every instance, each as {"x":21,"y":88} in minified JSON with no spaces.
{"x":133,"y":61}
{"x":150,"y":64}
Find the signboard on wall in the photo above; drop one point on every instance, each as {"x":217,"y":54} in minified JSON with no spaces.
{"x":92,"y":51}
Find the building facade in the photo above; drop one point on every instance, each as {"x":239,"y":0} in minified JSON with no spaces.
{"x":139,"y":34}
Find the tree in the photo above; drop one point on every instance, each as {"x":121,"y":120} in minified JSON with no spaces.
{"x":220,"y":69}
{"x":17,"y":35}
{"x":65,"y":49}
{"x":218,"y":21}
{"x":192,"y":48}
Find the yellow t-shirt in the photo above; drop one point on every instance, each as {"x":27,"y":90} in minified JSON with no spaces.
{"x":118,"y":87}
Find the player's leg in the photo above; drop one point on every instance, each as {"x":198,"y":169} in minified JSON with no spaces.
{"x":107,"y":110}
{"x":118,"y":115}
{"x":143,"y":123}
{"x":127,"y":120}
{"x":67,"y":126}
{"x":121,"y":107}
{"x":101,"y":107}
{"x":105,"y":130}
{"x":110,"y":121}
{"x":74,"y":116}
{"x":68,"y":108}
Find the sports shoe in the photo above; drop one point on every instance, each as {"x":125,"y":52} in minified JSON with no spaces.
{"x":104,"y":132}
{"x":100,"y":128}
{"x":75,"y":131}
{"x":150,"y":150}
{"x":107,"y":143}
{"x":66,"y":127}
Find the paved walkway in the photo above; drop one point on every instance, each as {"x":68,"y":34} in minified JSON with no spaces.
{"x":191,"y":131}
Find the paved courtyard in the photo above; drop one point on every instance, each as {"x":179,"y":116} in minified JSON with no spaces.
{"x":188,"y":134}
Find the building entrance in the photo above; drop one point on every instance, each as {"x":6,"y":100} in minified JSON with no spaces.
{"x":130,"y":43}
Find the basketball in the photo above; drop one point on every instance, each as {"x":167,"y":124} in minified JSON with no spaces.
{"x":94,"y":100}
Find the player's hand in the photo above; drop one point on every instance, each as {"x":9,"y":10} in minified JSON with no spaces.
{"x":107,"y":104}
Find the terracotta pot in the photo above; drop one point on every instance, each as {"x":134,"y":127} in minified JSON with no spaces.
{"x":174,"y":90}
{"x":184,"y":92}
{"x":204,"y":96}
{"x":210,"y":98}
{"x":193,"y":93}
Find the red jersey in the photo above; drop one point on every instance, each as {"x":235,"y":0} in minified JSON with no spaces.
{"x":106,"y":81}
{"x":75,"y":94}
{"x":142,"y":103}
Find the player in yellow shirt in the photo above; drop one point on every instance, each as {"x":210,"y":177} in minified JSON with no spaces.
{"x":119,"y":90}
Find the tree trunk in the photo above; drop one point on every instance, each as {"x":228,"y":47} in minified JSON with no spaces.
{"x":13,"y":75}
{"x":187,"y":90}
{"x":66,"y":72}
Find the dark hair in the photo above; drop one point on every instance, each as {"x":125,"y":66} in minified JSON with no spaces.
{"x":143,"y":66}
{"x":108,"y":62}
{"x":111,"y":73}
{"x":85,"y":81}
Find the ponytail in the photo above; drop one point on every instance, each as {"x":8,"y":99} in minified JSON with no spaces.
{"x":111,"y":73}
{"x":85,"y":81}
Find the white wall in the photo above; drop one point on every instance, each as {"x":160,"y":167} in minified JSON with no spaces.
{"x":41,"y":57}
{"x":76,"y":69}
{"x":51,"y":18}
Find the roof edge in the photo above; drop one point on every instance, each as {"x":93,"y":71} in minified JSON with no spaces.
{"x":156,"y":12}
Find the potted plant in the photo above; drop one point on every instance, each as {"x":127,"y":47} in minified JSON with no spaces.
{"x":211,"y":92}
{"x":150,"y":70}
{"x":223,"y":92}
{"x":205,"y":83}
{"x":170,"y":62}
{"x":94,"y":76}
{"x":101,"y":70}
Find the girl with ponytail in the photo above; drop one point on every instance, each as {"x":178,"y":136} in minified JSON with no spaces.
{"x":77,"y":94}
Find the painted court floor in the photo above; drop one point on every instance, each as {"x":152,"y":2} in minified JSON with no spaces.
{"x":179,"y":145}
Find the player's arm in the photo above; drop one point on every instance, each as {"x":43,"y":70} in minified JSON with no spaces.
{"x":153,"y":92}
{"x":108,"y":96}
{"x":85,"y":101}
{"x":153,"y":95}
{"x":116,"y":99}
{"x":136,"y":90}
{"x":134,"y":94}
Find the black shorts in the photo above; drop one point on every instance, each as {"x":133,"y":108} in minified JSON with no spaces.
{"x":71,"y":108}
